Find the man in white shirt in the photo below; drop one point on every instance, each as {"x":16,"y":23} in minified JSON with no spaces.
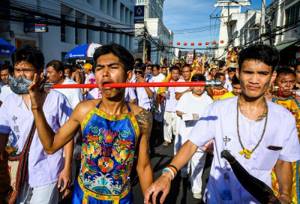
{"x":46,"y":173}
{"x":144,"y":94}
{"x":170,"y":117}
{"x":186,"y":77}
{"x":4,"y":89}
{"x":186,"y":74}
{"x":260,"y":135}
{"x":190,"y":108}
{"x":55,"y":74}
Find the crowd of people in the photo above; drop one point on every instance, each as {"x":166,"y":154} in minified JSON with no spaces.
{"x":88,"y":143}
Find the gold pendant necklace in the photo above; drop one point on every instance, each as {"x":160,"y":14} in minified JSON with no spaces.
{"x":247,"y":152}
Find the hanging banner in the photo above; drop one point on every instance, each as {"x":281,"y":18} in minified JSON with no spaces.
{"x":139,"y":14}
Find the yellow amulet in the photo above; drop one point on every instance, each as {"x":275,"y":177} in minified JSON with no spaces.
{"x":246,"y":152}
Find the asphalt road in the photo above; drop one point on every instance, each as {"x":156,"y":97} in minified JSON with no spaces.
{"x":180,"y":190}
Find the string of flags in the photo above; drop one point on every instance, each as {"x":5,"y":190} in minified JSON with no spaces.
{"x":199,"y":44}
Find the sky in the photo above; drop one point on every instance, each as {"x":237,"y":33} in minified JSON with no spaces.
{"x":187,"y":17}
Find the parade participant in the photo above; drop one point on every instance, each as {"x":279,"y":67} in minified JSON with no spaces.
{"x":218,"y":91}
{"x":159,"y":108}
{"x":78,"y":75}
{"x":260,"y":135}
{"x":286,"y":79}
{"x":297,"y":70}
{"x":5,"y":89}
{"x":189,"y":108}
{"x":68,"y":71}
{"x":186,"y":77}
{"x":115,"y":134}
{"x":170,"y":117}
{"x":46,"y":173}
{"x":236,"y":89}
{"x":144,"y":95}
{"x":55,"y":75}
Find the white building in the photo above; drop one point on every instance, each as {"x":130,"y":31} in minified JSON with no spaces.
{"x":153,"y":37}
{"x":231,"y":22}
{"x":249,"y":33}
{"x":70,"y":23}
{"x":284,"y":29}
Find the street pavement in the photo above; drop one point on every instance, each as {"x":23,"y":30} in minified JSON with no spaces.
{"x":180,"y":190}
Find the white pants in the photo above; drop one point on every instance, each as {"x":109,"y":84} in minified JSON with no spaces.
{"x":178,"y":142}
{"x":170,"y":127}
{"x":47,"y":194}
{"x":197,"y":165}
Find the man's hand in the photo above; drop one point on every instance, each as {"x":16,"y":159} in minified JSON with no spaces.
{"x":140,"y":78}
{"x":162,"y":184}
{"x":285,"y":199}
{"x":35,"y":94}
{"x":64,"y":181}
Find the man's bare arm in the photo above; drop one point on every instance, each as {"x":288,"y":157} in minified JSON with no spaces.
{"x":144,"y":169}
{"x":284,"y":174}
{"x":163,"y":183}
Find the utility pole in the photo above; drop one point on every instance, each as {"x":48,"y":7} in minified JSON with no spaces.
{"x":144,"y":44}
{"x":263,"y":21}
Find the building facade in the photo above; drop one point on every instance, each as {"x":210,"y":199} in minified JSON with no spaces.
{"x":284,"y":29}
{"x":231,"y":22}
{"x":69,"y":23}
{"x":153,"y":38}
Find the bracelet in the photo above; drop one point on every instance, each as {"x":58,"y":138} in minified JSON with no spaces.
{"x":166,"y":170}
{"x":173,"y":167}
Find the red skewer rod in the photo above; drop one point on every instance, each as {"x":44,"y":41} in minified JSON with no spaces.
{"x":137,"y":84}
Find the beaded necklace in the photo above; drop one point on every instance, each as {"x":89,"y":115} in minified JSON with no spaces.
{"x":247,"y":152}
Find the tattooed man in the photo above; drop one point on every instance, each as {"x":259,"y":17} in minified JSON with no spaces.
{"x":115,"y":134}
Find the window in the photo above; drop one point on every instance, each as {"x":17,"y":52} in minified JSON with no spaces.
{"x":292,"y":15}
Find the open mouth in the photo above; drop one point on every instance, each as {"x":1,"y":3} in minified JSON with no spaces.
{"x":105,"y":84}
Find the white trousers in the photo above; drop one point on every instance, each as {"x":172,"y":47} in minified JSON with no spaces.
{"x":170,"y":125}
{"x":178,"y":142}
{"x":47,"y":194}
{"x":196,"y":166}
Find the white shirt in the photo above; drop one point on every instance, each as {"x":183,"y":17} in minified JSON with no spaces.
{"x":74,"y":96}
{"x":190,"y":104}
{"x":130,"y":94}
{"x":144,"y":100}
{"x":171,"y":101}
{"x":4,"y":92}
{"x":227,"y":84}
{"x":95,"y":93}
{"x":16,"y":117}
{"x":158,"y":78}
{"x":181,"y":89}
{"x":219,"y":123}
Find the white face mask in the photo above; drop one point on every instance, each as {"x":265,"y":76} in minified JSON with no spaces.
{"x":19,"y":85}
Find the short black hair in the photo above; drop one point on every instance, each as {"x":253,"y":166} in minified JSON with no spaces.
{"x":156,"y":65}
{"x":235,"y":80}
{"x":140,"y":66}
{"x":285,"y":71}
{"x":264,"y":53}
{"x":122,"y":53}
{"x":174,"y":68}
{"x":219,"y":74}
{"x":198,"y":77}
{"x":30,"y":55}
{"x":4,"y":67}
{"x":56,"y":64}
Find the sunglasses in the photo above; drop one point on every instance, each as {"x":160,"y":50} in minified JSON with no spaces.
{"x":138,"y":72}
